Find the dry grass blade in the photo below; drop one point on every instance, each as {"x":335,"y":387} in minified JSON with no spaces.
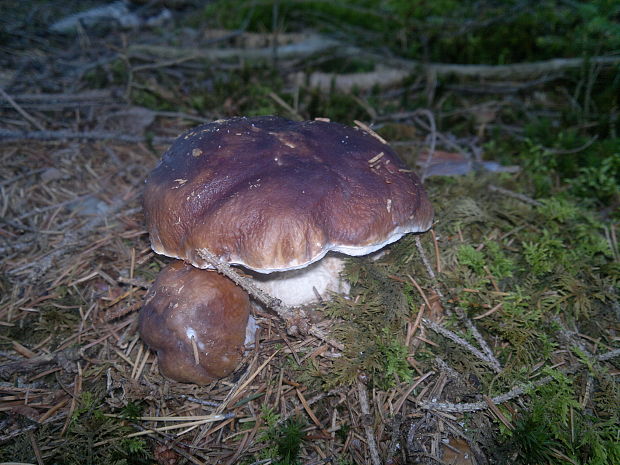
{"x":188,"y":424}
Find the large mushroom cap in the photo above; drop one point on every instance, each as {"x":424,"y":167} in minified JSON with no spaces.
{"x":196,"y":322}
{"x":273,"y":194}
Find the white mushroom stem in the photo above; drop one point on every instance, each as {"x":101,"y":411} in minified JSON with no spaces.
{"x":295,"y":318}
{"x":306,"y":285}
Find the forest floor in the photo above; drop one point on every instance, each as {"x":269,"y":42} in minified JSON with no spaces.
{"x":491,"y":339}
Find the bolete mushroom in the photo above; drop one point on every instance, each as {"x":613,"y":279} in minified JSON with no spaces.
{"x":275,"y":196}
{"x":196,"y":321}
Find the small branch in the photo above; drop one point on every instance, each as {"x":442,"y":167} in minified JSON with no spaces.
{"x":8,"y":134}
{"x":309,"y":45}
{"x":391,"y":71}
{"x":368,"y":424}
{"x":295,"y":319}
{"x":427,"y":263}
{"x":571,"y":151}
{"x":86,"y":98}
{"x":481,"y":341}
{"x":489,"y":357}
{"x":520,"y":70}
{"x":27,"y":116}
{"x":64,"y":359}
{"x":433,"y":136}
{"x":30,"y":365}
{"x":513,"y":393}
{"x":247,"y":285}
{"x":515,"y":195}
{"x":462,"y":342}
{"x":134,"y":282}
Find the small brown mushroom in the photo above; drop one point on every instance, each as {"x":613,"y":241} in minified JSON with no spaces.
{"x":196,"y":322}
{"x":275,"y":196}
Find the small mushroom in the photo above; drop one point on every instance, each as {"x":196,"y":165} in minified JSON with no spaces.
{"x":275,"y":196}
{"x":196,"y":321}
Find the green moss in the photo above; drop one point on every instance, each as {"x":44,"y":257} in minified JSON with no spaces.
{"x":598,"y":181}
{"x":335,"y":106}
{"x":283,"y":439}
{"x":556,"y":424}
{"x":472,"y":258}
{"x":88,"y":426}
{"x":372,"y":331}
{"x":543,"y":255}
{"x":146,"y":98}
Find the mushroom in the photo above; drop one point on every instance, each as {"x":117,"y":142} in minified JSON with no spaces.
{"x":196,"y":321}
{"x":275,"y":196}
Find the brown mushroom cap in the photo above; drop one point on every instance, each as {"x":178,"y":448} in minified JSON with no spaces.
{"x":273,"y":194}
{"x":187,"y":303}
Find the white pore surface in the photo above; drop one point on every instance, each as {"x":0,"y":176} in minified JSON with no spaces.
{"x":297,"y":287}
{"x":355,"y":251}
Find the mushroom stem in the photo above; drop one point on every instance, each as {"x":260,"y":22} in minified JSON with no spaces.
{"x":295,"y":319}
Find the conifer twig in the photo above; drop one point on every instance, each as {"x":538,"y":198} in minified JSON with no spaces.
{"x":513,"y":393}
{"x":433,"y":138}
{"x":481,"y":341}
{"x":489,"y":357}
{"x":368,"y":424}
{"x":296,"y":319}
{"x":27,"y":116}
{"x":460,"y":341}
{"x":427,"y":263}
{"x":515,"y":195}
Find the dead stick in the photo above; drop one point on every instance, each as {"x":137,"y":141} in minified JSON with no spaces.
{"x":368,"y":424}
{"x":515,"y":195}
{"x":460,"y":341}
{"x":513,"y":393}
{"x":246,"y":284}
{"x":488,"y":353}
{"x":295,"y":318}
{"x":481,"y":341}
{"x":21,"y":111}
{"x":433,"y":136}
{"x":7,"y":134}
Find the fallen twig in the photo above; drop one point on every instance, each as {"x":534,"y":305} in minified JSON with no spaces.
{"x":513,"y":393}
{"x":481,"y":341}
{"x":367,"y":423}
{"x":433,"y":137}
{"x":310,"y":45}
{"x":27,"y":116}
{"x":49,"y":101}
{"x":295,"y":318}
{"x":515,"y":195}
{"x":462,"y":342}
{"x":8,"y":134}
